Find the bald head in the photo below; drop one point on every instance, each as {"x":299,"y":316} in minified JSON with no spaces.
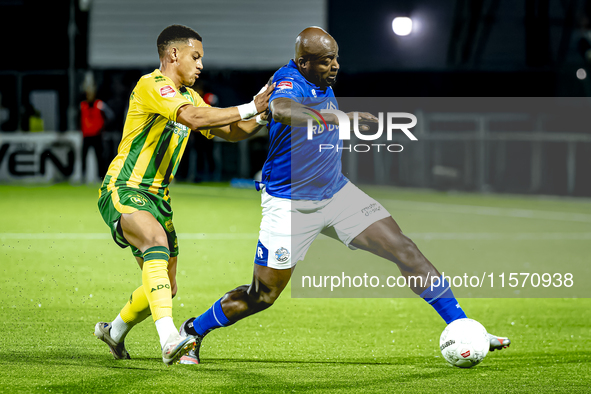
{"x":316,"y":55}
{"x":313,"y":41}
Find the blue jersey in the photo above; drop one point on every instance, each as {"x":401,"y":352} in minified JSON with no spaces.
{"x":295,"y":168}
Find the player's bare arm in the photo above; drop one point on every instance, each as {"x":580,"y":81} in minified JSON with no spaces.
{"x":287,"y":111}
{"x":208,"y":117}
{"x":245,"y":129}
{"x":238,"y":131}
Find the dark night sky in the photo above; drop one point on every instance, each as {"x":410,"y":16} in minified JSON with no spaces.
{"x":34,"y":34}
{"x":368,"y":43}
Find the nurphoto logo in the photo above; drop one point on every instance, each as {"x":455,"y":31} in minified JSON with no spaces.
{"x":388,"y":122}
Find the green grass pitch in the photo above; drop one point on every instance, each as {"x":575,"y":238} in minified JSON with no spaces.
{"x":61,"y":273}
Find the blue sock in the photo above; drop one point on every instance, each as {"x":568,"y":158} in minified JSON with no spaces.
{"x":442,"y":299}
{"x":211,"y":319}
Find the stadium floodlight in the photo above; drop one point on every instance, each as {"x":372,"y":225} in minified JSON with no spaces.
{"x":402,"y":25}
{"x":581,"y":73}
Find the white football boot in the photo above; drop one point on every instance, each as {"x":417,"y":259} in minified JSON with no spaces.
{"x":176,"y":346}
{"x":498,"y":343}
{"x":102,"y":331}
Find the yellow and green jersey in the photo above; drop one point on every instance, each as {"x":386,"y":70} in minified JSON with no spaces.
{"x":153,"y":142}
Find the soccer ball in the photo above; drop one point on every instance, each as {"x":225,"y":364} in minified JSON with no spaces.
{"x":464,"y":343}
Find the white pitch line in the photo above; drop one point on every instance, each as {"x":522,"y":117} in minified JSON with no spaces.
{"x":102,"y":236}
{"x":501,"y":236}
{"x":488,"y":211}
{"x":219,"y":236}
{"x":56,"y":236}
{"x":575,"y":236}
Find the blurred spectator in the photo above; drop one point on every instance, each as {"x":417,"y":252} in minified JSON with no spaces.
{"x":94,"y":113}
{"x":32,"y":120}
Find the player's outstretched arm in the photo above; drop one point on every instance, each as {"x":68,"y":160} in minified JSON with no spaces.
{"x":209,"y":117}
{"x":242,"y":130}
{"x":290,"y":112}
{"x":287,"y":111}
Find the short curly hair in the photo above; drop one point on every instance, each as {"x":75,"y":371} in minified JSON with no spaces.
{"x":175,"y":33}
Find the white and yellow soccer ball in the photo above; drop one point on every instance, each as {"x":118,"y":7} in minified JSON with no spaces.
{"x":464,"y":343}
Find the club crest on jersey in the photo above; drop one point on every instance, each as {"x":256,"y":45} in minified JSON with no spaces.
{"x":167,"y":91}
{"x":285,"y":85}
{"x":169,"y":226}
{"x":138,"y":200}
{"x":282,"y":255}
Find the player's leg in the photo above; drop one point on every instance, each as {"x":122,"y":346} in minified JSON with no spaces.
{"x":142,"y":219}
{"x":285,"y":237}
{"x":266,"y":286}
{"x":363,"y":223}
{"x":172,"y":264}
{"x":142,"y":230}
{"x":360,"y":222}
{"x":277,"y":253}
{"x":385,"y":239}
{"x":135,"y":311}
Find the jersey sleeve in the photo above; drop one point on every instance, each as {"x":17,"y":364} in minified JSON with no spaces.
{"x":159,"y":97}
{"x":288,"y":87}
{"x":199,"y":102}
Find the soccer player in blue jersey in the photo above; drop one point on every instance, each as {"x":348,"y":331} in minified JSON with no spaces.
{"x":305,"y":194}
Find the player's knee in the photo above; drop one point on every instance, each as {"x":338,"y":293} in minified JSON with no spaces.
{"x":157,"y":240}
{"x":403,"y":249}
{"x":262,"y":300}
{"x":173,"y":290}
{"x":266,"y":300}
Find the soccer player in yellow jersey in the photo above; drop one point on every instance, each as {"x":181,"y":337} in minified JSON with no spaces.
{"x":134,"y":198}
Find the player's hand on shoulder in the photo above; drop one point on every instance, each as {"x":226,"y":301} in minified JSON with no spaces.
{"x":264,"y":116}
{"x":261,"y":100}
{"x":365,"y":119}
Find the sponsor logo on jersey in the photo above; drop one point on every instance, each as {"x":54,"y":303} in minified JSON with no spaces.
{"x":282,"y":255}
{"x":180,"y":129}
{"x":285,"y":85}
{"x":167,"y":91}
{"x":138,"y":200}
{"x":158,"y":78}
